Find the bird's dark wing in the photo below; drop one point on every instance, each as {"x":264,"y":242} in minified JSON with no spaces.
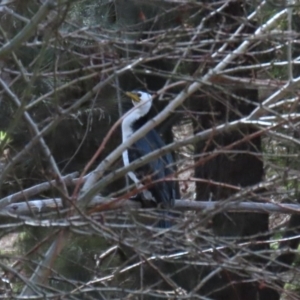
{"x":164,"y":192}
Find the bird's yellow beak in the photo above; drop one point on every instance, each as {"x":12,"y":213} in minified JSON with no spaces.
{"x":133,"y":96}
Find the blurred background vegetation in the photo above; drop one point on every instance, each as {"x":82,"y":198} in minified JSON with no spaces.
{"x":69,"y":74}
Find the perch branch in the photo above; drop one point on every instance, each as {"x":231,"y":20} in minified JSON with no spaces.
{"x":40,"y":206}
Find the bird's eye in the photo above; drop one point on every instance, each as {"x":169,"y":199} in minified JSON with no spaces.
{"x":139,"y":94}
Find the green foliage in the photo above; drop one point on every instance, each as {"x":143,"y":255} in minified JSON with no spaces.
{"x":5,"y":140}
{"x":92,"y":13}
{"x":275,"y":245}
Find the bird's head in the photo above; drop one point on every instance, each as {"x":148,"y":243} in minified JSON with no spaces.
{"x":139,"y":96}
{"x":142,"y":100}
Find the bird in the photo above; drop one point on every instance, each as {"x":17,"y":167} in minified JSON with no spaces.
{"x":162,"y":192}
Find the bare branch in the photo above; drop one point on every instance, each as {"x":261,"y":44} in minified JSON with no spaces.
{"x":40,"y":206}
{"x":29,"y":28}
{"x":34,"y":190}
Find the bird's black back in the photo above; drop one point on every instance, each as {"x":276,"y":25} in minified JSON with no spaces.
{"x":164,"y":192}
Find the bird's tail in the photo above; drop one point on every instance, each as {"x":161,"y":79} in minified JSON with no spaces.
{"x":167,"y":219}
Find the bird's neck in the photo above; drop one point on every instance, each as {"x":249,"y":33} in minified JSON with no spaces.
{"x":140,"y":122}
{"x":132,"y":123}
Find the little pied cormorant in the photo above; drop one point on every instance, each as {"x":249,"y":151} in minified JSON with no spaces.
{"x":162,"y":192}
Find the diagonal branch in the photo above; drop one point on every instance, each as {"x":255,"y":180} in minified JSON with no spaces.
{"x":88,"y":192}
